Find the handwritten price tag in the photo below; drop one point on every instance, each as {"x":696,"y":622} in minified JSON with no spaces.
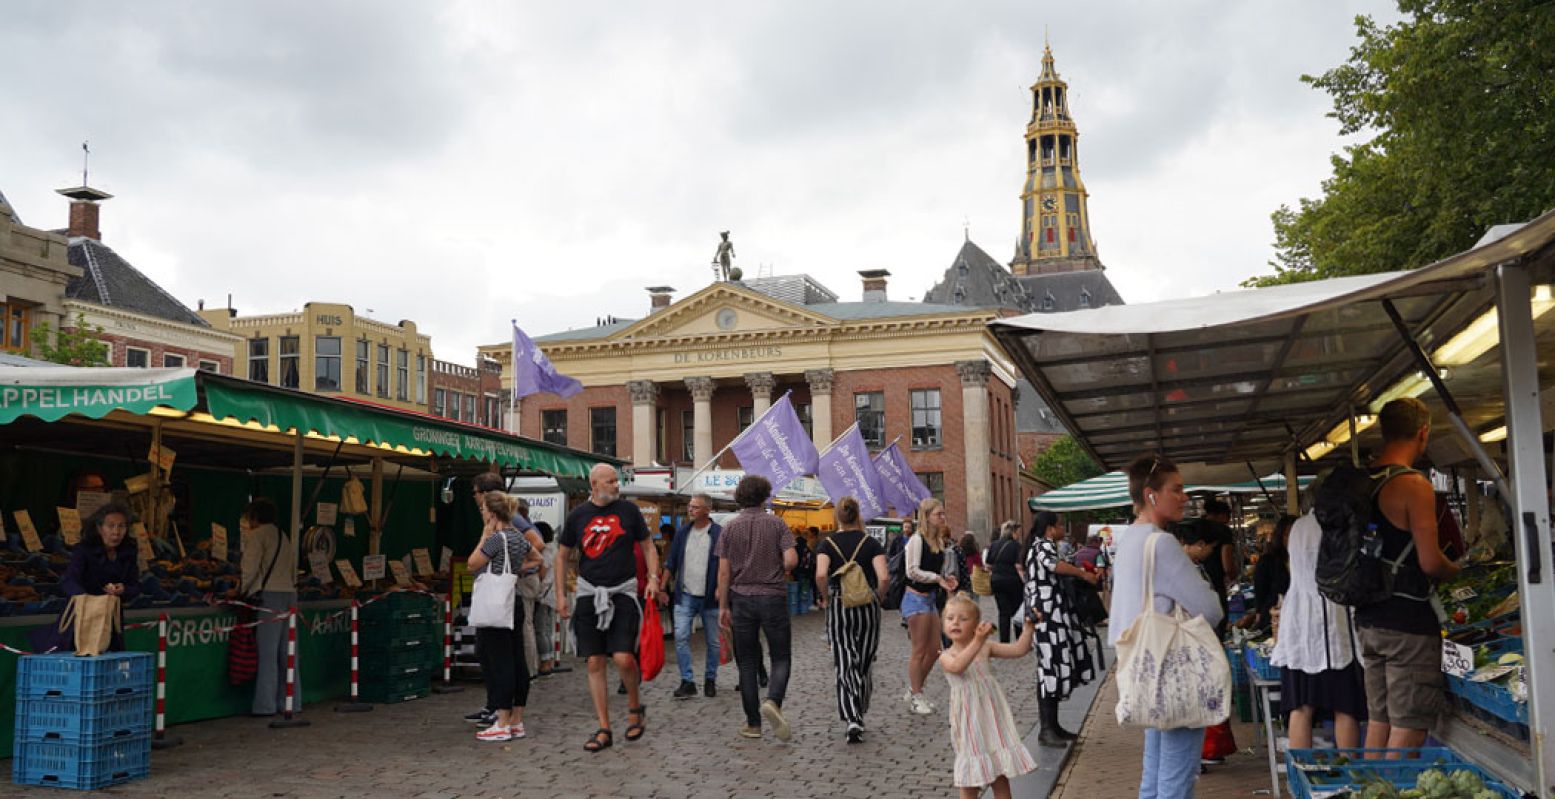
{"x":446,"y":559}
{"x":142,"y":545}
{"x":29,"y":532}
{"x":401,"y":574}
{"x":348,"y":573}
{"x":218,"y":541}
{"x":318,"y":562}
{"x":69,"y":525}
{"x":372,"y":567}
{"x":87,"y":502}
{"x":423,"y":560}
{"x":163,"y":457}
{"x":350,"y":527}
{"x":1457,"y":659}
{"x":1463,"y":593}
{"x":327,"y":512}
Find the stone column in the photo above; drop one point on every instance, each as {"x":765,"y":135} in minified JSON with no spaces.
{"x":645,"y":396}
{"x":761,"y":385}
{"x":820,"y":381}
{"x":701,"y":389}
{"x":975,"y":439}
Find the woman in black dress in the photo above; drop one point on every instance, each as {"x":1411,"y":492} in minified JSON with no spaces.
{"x":1063,"y":659}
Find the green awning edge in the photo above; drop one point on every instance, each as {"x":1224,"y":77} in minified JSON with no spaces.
{"x":52,"y":393}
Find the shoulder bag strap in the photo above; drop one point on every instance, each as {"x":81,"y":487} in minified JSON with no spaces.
{"x":504,"y":553}
{"x":280,"y":539}
{"x":1148,"y":604}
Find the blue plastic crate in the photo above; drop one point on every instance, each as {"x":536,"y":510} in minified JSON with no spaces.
{"x":78,"y":721}
{"x":1259,"y":666}
{"x":65,"y":676}
{"x":82,"y":766}
{"x":1238,"y":664}
{"x":1313,"y":781}
{"x":1439,"y":755}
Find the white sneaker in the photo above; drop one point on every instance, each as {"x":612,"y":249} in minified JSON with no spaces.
{"x":495,"y":733}
{"x":921,"y":706}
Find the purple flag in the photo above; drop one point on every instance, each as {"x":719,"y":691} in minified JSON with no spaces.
{"x":533,"y":372}
{"x":847,"y":470}
{"x":776,"y":446}
{"x":903,"y":490}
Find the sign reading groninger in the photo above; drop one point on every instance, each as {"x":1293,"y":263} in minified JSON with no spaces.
{"x":50,"y":393}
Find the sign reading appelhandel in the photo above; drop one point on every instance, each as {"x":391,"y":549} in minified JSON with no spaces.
{"x":51,"y":393}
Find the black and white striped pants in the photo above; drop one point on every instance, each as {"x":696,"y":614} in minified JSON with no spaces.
{"x":855,"y":637}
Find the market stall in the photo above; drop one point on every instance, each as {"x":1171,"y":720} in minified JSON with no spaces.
{"x":1294,"y":373}
{"x":188,"y":449}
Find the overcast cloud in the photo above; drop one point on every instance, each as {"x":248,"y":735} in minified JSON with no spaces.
{"x":463,"y":163}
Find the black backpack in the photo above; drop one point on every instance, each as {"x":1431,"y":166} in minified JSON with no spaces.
{"x":896,"y":567}
{"x":1351,"y":569}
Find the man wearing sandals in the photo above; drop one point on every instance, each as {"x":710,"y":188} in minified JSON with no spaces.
{"x":606,"y":530}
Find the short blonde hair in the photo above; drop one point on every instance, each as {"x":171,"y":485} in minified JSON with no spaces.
{"x":959,"y":598}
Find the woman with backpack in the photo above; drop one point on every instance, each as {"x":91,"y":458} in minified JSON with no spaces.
{"x":1063,"y":659}
{"x":1006,"y":574}
{"x":852,"y":566}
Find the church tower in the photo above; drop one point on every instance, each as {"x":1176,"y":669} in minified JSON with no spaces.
{"x":1055,"y":223}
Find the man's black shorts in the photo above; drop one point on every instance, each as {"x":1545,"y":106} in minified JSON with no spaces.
{"x":622,"y":635}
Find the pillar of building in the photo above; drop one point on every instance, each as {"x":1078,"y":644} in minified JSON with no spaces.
{"x":701,"y":389}
{"x":975,"y":437}
{"x":645,"y":397}
{"x":761,"y":385}
{"x":820,"y":381}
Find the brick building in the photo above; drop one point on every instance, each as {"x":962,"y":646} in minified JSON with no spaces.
{"x":471,"y":394}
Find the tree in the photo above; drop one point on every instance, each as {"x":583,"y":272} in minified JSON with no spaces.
{"x":78,"y":346}
{"x":1460,"y":99}
{"x":1063,"y":463}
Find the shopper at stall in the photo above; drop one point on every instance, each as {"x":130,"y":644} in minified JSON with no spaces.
{"x":929,"y":572}
{"x":606,"y":531}
{"x":1202,"y":544}
{"x":692,"y":563}
{"x":503,"y":665}
{"x":1272,"y":574}
{"x":270,"y":574}
{"x":1400,"y":636}
{"x":854,"y":632}
{"x":1007,"y":574}
{"x":488,"y":483}
{"x":1319,"y":674}
{"x":1063,"y":659}
{"x":755,"y":553}
{"x":1171,"y":763}
{"x":103,"y":563}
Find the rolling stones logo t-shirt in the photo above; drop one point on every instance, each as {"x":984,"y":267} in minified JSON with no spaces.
{"x":604,"y":537}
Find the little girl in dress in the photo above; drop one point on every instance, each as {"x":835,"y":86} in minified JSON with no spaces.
{"x":982,"y":731}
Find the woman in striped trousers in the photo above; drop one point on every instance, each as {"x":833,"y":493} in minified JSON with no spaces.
{"x":855,"y":631}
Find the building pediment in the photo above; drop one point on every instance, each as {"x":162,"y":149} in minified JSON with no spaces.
{"x":724,"y":308}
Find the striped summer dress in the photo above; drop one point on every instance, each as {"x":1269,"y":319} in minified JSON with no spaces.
{"x":982,"y":731}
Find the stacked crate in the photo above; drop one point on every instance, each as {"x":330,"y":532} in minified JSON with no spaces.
{"x":401,"y":647}
{"x":83,"y":722}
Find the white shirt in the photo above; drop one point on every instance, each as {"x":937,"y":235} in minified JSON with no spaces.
{"x":699,"y":545}
{"x":1315,"y":634}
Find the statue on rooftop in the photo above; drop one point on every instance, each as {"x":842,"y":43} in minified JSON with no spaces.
{"x":723,"y":259}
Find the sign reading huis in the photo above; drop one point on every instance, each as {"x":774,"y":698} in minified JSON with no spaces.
{"x":50,"y":393}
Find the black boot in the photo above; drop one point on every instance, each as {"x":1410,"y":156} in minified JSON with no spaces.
{"x":1047,"y":714}
{"x":1058,"y":730}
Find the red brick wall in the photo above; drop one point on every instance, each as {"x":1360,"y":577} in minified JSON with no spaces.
{"x":1032,"y":445}
{"x":192,"y":357}
{"x":578,"y":415}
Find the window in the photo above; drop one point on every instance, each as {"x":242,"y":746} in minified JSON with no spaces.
{"x":553,"y":426}
{"x":925,"y":418}
{"x":869,"y":410}
{"x":438,"y":401}
{"x":661,"y":429}
{"x":291,"y":362}
{"x":210,"y":366}
{"x":362,"y":366}
{"x":421,"y":379}
{"x":935,"y":482}
{"x":137,"y":357}
{"x":804,"y":412}
{"x":1049,"y":302}
{"x":453,"y":405}
{"x":259,"y":360}
{"x":326,"y":363}
{"x":469,"y":408}
{"x":383,"y":371}
{"x":688,"y":436}
{"x":493,"y":411}
{"x":172,"y":361}
{"x":15,"y":326}
{"x":746,"y":414}
{"x":1085,"y":298}
{"x":602,"y":431}
{"x":401,"y":375}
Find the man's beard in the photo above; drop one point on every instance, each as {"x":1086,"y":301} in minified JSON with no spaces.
{"x":605,"y":497}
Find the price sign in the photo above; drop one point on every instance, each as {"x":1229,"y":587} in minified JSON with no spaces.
{"x":327,"y":512}
{"x":348,"y":573}
{"x":372,"y":567}
{"x":401,"y":574}
{"x":87,"y":502}
{"x":446,"y":559}
{"x":350,"y":527}
{"x":163,"y":457}
{"x":142,"y":545}
{"x":423,"y":560}
{"x":1463,"y":593}
{"x":1457,"y":659}
{"x":69,"y":525}
{"x":218,"y":541}
{"x":29,"y":532}
{"x":318,"y":562}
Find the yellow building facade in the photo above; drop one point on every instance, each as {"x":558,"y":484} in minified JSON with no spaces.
{"x":326,"y":348}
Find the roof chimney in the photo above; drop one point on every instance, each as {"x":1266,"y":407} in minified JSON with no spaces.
{"x":83,"y":211}
{"x":874,"y":284}
{"x":659,"y":298}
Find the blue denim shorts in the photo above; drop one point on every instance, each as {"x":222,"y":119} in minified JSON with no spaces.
{"x":914,"y":603}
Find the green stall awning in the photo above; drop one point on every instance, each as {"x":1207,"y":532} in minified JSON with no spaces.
{"x":54,"y":392}
{"x":1110,"y":490}
{"x":402,"y":431}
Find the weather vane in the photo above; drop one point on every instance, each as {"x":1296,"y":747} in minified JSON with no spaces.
{"x":86,"y":156}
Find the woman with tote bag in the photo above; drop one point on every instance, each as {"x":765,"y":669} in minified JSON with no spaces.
{"x":498,"y":617}
{"x":1158,"y":588}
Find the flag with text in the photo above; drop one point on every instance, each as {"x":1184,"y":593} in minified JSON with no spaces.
{"x":902,"y":488}
{"x":847,"y":470}
{"x":776,"y":446}
{"x":533,"y":373}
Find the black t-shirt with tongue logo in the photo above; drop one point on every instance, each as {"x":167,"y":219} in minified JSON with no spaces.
{"x":604,"y":537}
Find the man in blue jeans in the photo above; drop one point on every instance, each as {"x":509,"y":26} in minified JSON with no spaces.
{"x":693,"y":562}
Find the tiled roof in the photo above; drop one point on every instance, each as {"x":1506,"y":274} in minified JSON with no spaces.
{"x":588,"y":333}
{"x":853,"y":311}
{"x":110,"y":280}
{"x":975,"y":279}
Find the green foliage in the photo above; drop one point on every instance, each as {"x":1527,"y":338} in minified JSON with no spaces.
{"x":1063,"y":463}
{"x":76,"y":347}
{"x":1460,"y":99}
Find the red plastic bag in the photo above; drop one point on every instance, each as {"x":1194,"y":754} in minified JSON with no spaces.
{"x":650,"y":642}
{"x":725,"y":648}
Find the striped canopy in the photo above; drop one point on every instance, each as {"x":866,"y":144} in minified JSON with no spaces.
{"x":1110,"y":490}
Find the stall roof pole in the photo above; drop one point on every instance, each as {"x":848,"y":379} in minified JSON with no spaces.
{"x":1292,"y":488}
{"x":1530,"y":512}
{"x":1355,"y":442}
{"x":375,"y":523}
{"x":297,"y":498}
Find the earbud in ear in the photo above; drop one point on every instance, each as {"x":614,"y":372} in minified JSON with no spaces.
{"x":1151,"y":497}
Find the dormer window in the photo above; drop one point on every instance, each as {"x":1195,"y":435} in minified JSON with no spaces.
{"x":1085,"y":298}
{"x":961,"y":267}
{"x":1049,"y":302}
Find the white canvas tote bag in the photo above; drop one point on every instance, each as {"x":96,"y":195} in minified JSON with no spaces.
{"x":491,"y":601}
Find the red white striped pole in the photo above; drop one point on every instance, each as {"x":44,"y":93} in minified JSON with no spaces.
{"x":287,"y":719}
{"x":159,"y":737}
{"x":448,"y":686}
{"x":356,"y":705}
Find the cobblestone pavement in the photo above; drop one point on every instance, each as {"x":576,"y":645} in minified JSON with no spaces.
{"x":423,"y":749}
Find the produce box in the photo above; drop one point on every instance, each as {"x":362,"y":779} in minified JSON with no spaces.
{"x":83,"y":721}
{"x":82,"y":766}
{"x":402,"y":639}
{"x":1259,"y":666}
{"x":387,"y":605}
{"x":398,"y":689}
{"x":65,"y":676}
{"x":1391,"y":779}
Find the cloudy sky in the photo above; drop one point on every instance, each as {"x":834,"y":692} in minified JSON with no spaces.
{"x":463,"y":163}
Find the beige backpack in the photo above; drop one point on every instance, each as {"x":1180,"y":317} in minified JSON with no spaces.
{"x":850,"y":576}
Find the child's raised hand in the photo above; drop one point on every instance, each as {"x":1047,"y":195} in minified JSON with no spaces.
{"x":984,"y":630}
